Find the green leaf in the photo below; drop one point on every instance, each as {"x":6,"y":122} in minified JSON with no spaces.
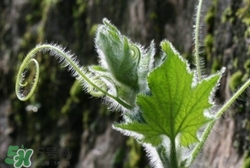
{"x":176,"y":105}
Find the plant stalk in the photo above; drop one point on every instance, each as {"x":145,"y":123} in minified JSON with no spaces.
{"x":48,"y":47}
{"x":208,"y":129}
{"x":197,"y":38}
{"x":173,"y":154}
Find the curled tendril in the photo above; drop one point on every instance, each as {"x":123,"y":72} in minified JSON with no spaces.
{"x":95,"y":92}
{"x":20,"y":79}
{"x":135,"y":51}
{"x":68,"y":61}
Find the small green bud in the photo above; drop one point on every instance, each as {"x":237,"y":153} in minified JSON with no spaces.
{"x":118,"y":54}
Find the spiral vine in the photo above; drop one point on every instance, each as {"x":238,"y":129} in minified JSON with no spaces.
{"x":90,"y":82}
{"x":21,"y":84}
{"x":135,"y":52}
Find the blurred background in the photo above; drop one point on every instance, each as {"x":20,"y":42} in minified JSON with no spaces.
{"x":67,"y":127}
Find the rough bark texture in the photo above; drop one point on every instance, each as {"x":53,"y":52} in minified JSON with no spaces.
{"x":78,"y":127}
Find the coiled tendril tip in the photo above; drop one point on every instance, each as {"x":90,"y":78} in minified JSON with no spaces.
{"x":67,"y":60}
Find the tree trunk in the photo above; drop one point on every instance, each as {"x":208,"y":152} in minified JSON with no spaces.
{"x":68,"y":128}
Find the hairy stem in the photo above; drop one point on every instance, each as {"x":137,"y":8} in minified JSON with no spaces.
{"x":197,"y":38}
{"x":235,"y":96}
{"x":217,"y":116}
{"x":173,"y":155}
{"x":57,"y":51}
